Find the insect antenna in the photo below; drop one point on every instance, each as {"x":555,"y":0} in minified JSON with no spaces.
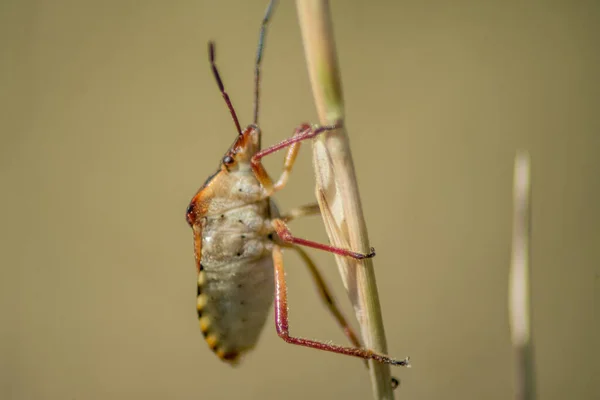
{"x":259,"y":52}
{"x":211,"y":56}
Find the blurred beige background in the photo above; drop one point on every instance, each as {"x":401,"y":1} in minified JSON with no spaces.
{"x":111,"y":121}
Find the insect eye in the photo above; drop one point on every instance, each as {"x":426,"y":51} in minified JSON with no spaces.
{"x":227,"y":160}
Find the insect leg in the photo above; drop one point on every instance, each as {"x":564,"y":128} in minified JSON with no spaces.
{"x":327,"y":297}
{"x":282,"y":323}
{"x":284,"y":233}
{"x":302,"y":211}
{"x":303,"y":132}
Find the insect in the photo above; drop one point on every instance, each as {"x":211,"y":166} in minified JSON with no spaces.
{"x":238,"y":239}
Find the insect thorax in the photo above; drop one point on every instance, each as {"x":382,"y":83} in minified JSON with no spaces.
{"x":236,"y":235}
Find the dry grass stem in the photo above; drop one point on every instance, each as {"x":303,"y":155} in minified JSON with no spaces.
{"x":519,"y":305}
{"x":337,"y":189}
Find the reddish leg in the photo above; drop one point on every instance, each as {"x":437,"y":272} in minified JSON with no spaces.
{"x":284,"y":233}
{"x":325,"y":294}
{"x":282,"y":325}
{"x":303,"y":132}
{"x":327,"y":297}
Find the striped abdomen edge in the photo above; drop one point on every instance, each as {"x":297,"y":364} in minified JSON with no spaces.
{"x":210,"y":336}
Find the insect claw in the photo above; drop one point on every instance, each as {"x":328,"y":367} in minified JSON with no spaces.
{"x":332,"y":127}
{"x":371,"y":254}
{"x":362,"y":256}
{"x":404,"y":363}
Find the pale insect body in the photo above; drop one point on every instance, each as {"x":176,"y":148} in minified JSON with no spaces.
{"x":238,"y":236}
{"x":235,"y":280}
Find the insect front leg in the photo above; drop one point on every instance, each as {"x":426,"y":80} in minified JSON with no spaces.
{"x":282,"y":322}
{"x":303,"y":132}
{"x":285,"y":234}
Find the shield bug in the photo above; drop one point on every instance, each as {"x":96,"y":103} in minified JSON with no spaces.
{"x":238,"y":239}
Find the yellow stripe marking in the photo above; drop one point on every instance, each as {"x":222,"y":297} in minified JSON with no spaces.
{"x":201,"y":278}
{"x":212,"y":341}
{"x":201,"y":302}
{"x":204,"y":324}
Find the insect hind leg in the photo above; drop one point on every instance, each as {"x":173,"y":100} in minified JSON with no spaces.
{"x":282,"y":322}
{"x":329,"y":301}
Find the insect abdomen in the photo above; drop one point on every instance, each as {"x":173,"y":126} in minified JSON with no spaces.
{"x":233,"y":303}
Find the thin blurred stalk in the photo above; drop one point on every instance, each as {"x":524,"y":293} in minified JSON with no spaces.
{"x":519,"y":305}
{"x":337,"y":189}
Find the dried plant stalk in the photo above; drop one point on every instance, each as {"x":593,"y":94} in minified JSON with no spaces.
{"x":336,"y":186}
{"x":519,"y":306}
